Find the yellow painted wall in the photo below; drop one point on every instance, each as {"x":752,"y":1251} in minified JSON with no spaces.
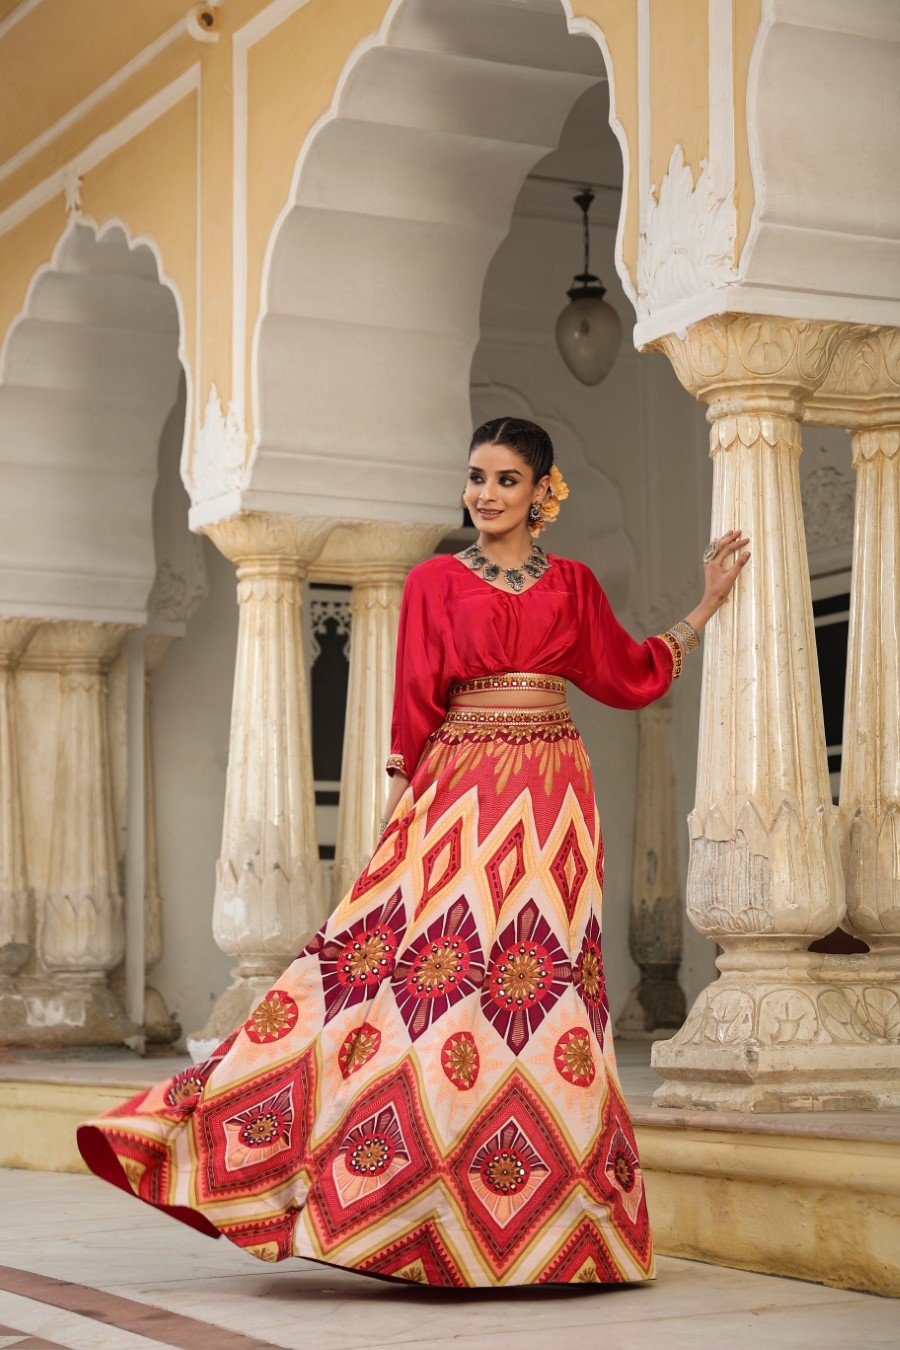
{"x":23,"y":249}
{"x":618,"y":21}
{"x":65,"y":50}
{"x":151,"y":185}
{"x":679,"y":81}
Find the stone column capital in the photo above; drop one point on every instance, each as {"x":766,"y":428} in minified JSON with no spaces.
{"x":75,"y":644}
{"x":862,"y":387}
{"x":743,"y":362}
{"x":262,"y":542}
{"x":15,"y":634}
{"x":373,"y":552}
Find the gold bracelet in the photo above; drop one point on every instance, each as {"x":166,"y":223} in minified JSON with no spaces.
{"x":674,"y":646}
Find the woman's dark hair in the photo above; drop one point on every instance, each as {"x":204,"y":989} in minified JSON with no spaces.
{"x":526,"y":438}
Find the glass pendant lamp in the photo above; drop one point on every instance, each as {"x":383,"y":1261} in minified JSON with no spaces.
{"x":588,"y":330}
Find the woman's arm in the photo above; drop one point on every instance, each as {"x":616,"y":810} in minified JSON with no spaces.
{"x":399,"y":784}
{"x":616,"y":669}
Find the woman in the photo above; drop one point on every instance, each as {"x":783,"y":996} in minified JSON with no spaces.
{"x":429,"y":1092}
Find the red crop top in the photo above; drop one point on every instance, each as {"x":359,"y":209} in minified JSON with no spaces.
{"x":455,"y":625}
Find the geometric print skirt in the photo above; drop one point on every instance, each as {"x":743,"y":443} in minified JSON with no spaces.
{"x":429,"y":1092}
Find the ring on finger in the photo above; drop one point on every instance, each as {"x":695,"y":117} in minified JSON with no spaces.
{"x":711,"y":550}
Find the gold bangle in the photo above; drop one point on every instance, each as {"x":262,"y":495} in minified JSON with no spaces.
{"x":674,"y":646}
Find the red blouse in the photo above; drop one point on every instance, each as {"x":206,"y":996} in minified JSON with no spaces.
{"x":455,"y":625}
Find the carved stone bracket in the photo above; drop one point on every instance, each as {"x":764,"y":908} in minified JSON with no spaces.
{"x":688,"y":242}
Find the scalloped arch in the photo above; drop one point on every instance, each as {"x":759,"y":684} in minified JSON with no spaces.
{"x":401,"y":194}
{"x":89,"y":371}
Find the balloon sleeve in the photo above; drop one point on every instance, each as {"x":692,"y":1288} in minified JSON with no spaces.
{"x":420,"y":697}
{"x":610,"y":665}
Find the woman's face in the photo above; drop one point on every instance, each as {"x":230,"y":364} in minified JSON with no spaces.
{"x":499,"y":489}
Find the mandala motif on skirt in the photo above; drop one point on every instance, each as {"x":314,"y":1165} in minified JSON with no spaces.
{"x":614,"y":1174}
{"x":371,"y":1155}
{"x":527,"y":972}
{"x":358,"y":1047}
{"x":441,"y":967}
{"x":355,"y":962}
{"x":251,"y":1136}
{"x":271,"y":1019}
{"x":511,"y":1171}
{"x":460,"y":1060}
{"x":589,"y":979}
{"x":260,"y":1132}
{"x":184,"y":1091}
{"x":379,"y":1158}
{"x":574,"y":1057}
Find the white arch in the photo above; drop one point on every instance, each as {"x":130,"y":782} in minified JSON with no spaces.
{"x":89,"y":371}
{"x":411,"y":178}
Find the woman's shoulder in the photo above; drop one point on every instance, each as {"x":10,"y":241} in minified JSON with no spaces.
{"x":429,"y":576}
{"x":570,"y":567}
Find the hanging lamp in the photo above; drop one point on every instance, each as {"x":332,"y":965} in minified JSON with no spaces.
{"x":588,"y":330}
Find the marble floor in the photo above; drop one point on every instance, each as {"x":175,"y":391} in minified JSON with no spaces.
{"x":83,"y":1266}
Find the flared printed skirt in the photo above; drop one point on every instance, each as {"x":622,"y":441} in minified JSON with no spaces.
{"x":429,"y":1092}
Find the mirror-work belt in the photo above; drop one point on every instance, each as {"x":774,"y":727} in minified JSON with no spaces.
{"x":509,"y":679}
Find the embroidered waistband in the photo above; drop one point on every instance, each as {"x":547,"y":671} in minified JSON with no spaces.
{"x":509,"y":679}
{"x":471,"y":715}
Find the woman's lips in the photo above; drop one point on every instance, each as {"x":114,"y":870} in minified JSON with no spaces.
{"x":488,"y":513}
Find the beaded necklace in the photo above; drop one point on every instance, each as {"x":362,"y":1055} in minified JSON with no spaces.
{"x":535,"y":565}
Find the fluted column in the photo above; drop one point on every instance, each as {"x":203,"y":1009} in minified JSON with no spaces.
{"x":654,"y":923}
{"x":870,"y":766}
{"x":764,"y":877}
{"x":80,"y":930}
{"x":160,"y":1026}
{"x":374,"y":557}
{"x":268,"y":880}
{"x":863,"y":393}
{"x":15,"y":907}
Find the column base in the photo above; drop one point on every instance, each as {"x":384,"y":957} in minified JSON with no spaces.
{"x":160,"y":1027}
{"x":232,"y":1010}
{"x":66,"y":1010}
{"x":13,"y":1015}
{"x":653,"y":1007}
{"x":825,"y":1037}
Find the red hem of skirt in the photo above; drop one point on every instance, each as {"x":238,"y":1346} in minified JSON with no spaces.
{"x":100,"y":1157}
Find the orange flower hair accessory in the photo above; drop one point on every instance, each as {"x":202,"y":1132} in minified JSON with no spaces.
{"x":557,"y":492}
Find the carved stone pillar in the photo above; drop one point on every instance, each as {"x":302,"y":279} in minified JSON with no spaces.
{"x":870,"y":768}
{"x":654,"y":924}
{"x":268,"y":880}
{"x":160,"y":1026}
{"x":374,"y":557}
{"x":15,"y":906}
{"x":765,"y":875}
{"x":80,"y":929}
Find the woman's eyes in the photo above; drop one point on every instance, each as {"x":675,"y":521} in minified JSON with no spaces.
{"x":504,"y":482}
